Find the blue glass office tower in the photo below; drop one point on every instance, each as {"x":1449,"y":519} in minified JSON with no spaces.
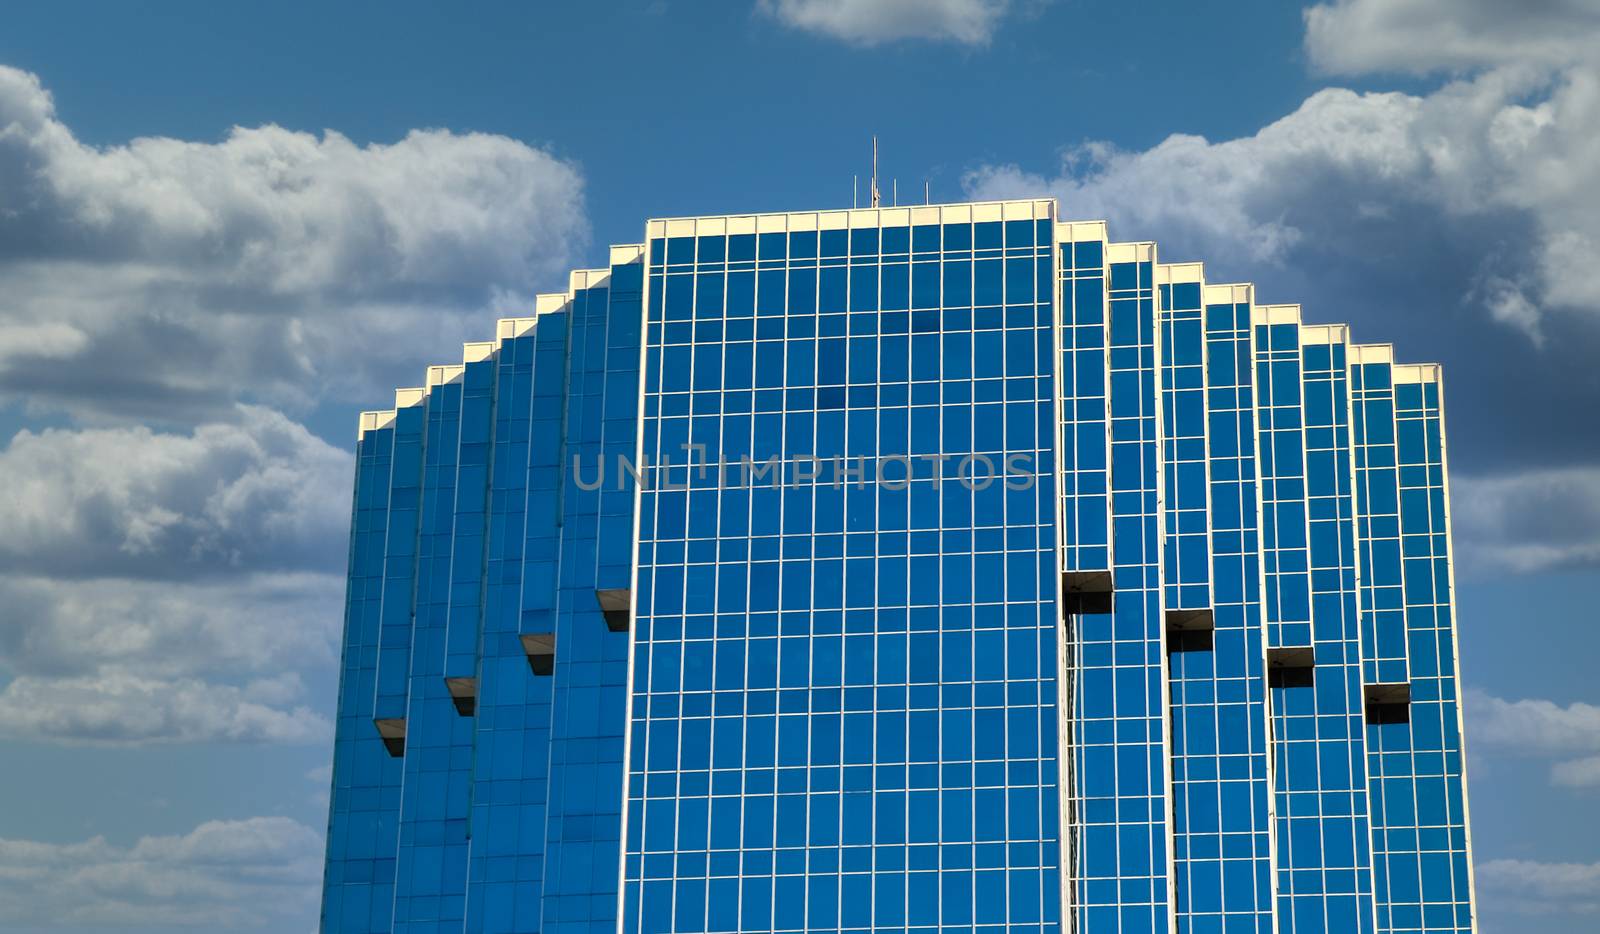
{"x":938,"y":570}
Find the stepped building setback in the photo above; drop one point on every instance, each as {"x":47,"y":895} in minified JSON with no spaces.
{"x":932,"y":570}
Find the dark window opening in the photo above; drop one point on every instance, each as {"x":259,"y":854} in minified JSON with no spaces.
{"x":541,"y":649}
{"x":1291,"y":667}
{"x":464,"y":694}
{"x":615,"y":605}
{"x":1189,"y":640}
{"x":1190,"y":630}
{"x":1086,"y":592}
{"x":1387,"y":703}
{"x":393,"y":732}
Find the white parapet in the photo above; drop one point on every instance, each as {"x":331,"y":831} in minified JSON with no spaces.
{"x":1416,"y":373}
{"x":1275,"y":314}
{"x":1137,"y":252}
{"x":1324,"y":334}
{"x":549,"y":302}
{"x":509,"y":328}
{"x":586,"y":279}
{"x":443,"y":375}
{"x":1233,"y":293}
{"x":1175,"y":273}
{"x":1371,"y":353}
{"x":853,"y":219}
{"x":1080,"y":231}
{"x":373,"y":421}
{"x":624,"y":253}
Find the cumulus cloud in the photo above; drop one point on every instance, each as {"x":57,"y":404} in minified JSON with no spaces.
{"x":1577,"y":773}
{"x":321,"y":779}
{"x":1528,"y":521}
{"x":259,"y":492}
{"x":1490,"y":176}
{"x":118,"y":708}
{"x":1363,"y":36}
{"x":1534,"y":727}
{"x":170,"y":587}
{"x":183,"y":583}
{"x":165,"y":278}
{"x":222,"y":874}
{"x":236,"y":627}
{"x":287,"y":212}
{"x":118,"y":661}
{"x":1529,"y":887}
{"x":873,"y":22}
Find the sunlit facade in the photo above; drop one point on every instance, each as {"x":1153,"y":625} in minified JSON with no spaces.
{"x":943,"y":570}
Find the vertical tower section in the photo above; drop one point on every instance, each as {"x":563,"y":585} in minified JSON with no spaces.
{"x":1221,"y":821}
{"x":1313,"y":654}
{"x":1119,"y":708}
{"x":1185,"y":457}
{"x":844,"y":682}
{"x":1085,"y":430}
{"x":620,"y":418}
{"x":1246,"y":817}
{"x":358,"y":875}
{"x":1335,"y":609}
{"x":469,"y":564}
{"x":430,"y":874}
{"x":1384,"y":665}
{"x":1422,"y":864}
{"x":1444,"y":842}
{"x":1378,"y":479}
{"x":395,"y":618}
{"x":510,"y":756}
{"x":1186,"y":583}
{"x":584,"y":816}
{"x":1085,"y":457}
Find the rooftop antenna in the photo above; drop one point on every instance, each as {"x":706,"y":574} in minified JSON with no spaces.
{"x":853,"y":188}
{"x":875,"y":196}
{"x":894,"y":191}
{"x":927,"y":192}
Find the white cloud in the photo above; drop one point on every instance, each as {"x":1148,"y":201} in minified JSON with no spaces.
{"x":171,"y":587}
{"x":46,"y":340}
{"x":1528,"y":521}
{"x":152,"y":591}
{"x":873,"y":22}
{"x":1577,"y":773}
{"x":126,"y":661}
{"x":287,"y":212}
{"x":1533,"y":727}
{"x":259,"y":492}
{"x":247,"y":626}
{"x":1528,"y":887}
{"x":321,"y":779}
{"x":1508,"y":305}
{"x":118,"y":708}
{"x":220,"y":875}
{"x":164,"y":278}
{"x":1362,"y":36}
{"x":1495,"y":171}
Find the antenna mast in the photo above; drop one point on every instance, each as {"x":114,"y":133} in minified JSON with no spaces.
{"x":875,"y":197}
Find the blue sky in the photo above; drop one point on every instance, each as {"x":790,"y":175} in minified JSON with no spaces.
{"x":225,"y":230}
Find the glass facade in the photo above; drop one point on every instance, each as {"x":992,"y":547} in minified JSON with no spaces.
{"x":938,"y":570}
